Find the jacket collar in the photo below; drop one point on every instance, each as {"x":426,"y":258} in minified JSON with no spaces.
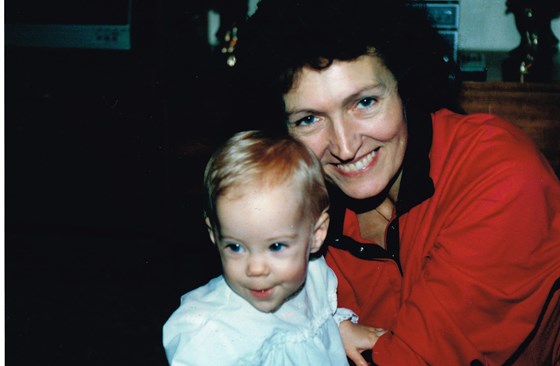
{"x":416,"y":184}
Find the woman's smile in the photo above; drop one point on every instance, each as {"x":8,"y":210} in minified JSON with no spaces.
{"x":360,"y":166}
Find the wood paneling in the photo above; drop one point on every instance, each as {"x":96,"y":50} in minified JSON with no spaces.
{"x":535,"y":108}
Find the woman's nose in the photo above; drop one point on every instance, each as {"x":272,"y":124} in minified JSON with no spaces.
{"x":257,"y":266}
{"x":343,"y":140}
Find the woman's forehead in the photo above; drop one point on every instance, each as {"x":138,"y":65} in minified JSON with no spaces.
{"x":366,"y":67}
{"x":342,"y":79}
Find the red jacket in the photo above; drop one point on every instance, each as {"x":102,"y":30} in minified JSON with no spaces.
{"x":479,"y":254}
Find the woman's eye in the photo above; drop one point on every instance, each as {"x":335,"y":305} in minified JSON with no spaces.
{"x":276,"y":247}
{"x":366,"y":102}
{"x":306,"y":121}
{"x":234,"y":247}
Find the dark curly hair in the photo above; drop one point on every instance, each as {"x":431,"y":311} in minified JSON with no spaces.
{"x":285,"y":35}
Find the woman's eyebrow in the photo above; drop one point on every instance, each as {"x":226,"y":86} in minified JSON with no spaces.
{"x":302,"y":111}
{"x":376,"y":88}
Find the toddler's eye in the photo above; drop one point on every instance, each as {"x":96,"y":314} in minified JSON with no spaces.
{"x":366,"y":102}
{"x":276,"y":247}
{"x":234,"y":247}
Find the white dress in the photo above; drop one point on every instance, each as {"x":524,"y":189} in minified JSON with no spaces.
{"x":215,"y":326}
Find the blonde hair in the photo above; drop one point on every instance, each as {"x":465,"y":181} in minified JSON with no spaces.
{"x":255,"y":157}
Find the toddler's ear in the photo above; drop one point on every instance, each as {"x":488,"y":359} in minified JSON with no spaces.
{"x":320,"y":231}
{"x":210,"y":230}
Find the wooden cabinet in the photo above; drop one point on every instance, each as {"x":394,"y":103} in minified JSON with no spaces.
{"x":533,"y":107}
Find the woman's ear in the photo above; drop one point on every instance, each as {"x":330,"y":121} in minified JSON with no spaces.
{"x":320,"y":231}
{"x":210,"y":229}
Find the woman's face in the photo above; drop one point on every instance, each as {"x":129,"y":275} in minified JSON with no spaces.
{"x":351,"y":116}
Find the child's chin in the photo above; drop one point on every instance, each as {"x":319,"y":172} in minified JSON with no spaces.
{"x":266,"y":309}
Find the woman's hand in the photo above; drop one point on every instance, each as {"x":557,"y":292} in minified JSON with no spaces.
{"x":358,"y":338}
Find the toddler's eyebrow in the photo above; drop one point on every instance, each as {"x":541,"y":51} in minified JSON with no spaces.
{"x":282,"y":238}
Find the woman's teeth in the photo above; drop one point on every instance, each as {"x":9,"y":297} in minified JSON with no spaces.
{"x":359,"y":165}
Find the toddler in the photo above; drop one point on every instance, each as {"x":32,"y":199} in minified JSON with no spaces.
{"x":275,"y":304}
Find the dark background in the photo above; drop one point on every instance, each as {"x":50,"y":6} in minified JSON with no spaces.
{"x":104,"y":158}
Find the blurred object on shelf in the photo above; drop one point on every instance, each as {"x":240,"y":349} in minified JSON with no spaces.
{"x":532,"y":60}
{"x":229,"y":15}
{"x":445,"y":17}
{"x":473,"y":66}
{"x":471,"y":60}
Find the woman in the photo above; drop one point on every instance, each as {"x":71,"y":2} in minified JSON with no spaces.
{"x":445,"y":228}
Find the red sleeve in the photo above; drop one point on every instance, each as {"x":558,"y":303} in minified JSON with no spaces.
{"x":370,"y":288}
{"x":489,"y":268}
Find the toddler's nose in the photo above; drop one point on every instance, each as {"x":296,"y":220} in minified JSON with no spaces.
{"x":257,"y":266}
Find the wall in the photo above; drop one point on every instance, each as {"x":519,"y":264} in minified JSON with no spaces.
{"x":484,"y":25}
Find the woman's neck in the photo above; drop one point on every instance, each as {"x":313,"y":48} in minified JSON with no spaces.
{"x":393,"y":193}
{"x":373,"y":223}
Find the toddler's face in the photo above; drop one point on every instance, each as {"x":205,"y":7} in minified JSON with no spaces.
{"x":265,"y":242}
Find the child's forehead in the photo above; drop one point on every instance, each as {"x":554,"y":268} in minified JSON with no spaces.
{"x":260,"y":185}
{"x":271,"y":199}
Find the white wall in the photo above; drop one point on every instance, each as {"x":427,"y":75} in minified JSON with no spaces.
{"x":484,"y":25}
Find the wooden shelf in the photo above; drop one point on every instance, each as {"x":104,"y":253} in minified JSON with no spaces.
{"x":490,"y":64}
{"x":534,"y":107}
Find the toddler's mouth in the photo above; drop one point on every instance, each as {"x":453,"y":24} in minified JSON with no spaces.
{"x":262,"y":294}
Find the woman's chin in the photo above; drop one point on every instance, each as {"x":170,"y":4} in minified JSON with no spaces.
{"x":359,"y":193}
